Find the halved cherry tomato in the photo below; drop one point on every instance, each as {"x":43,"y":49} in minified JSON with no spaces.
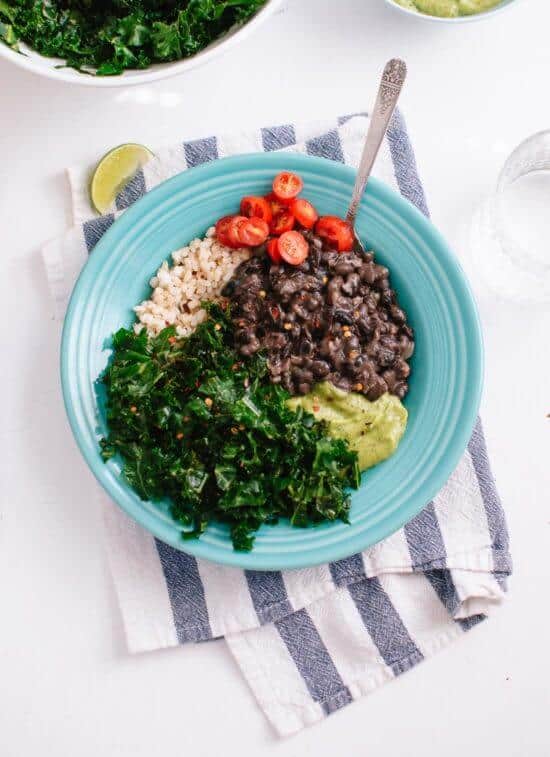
{"x":233,"y":232}
{"x":293,"y":248}
{"x":287,"y":185}
{"x":256,"y":207}
{"x":223,"y":232}
{"x":282,"y":222}
{"x":277,"y":206}
{"x":273,"y":251}
{"x":336,"y":232}
{"x":252,"y":231}
{"x":304,"y":212}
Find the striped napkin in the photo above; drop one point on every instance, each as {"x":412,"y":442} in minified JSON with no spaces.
{"x":308,"y":641}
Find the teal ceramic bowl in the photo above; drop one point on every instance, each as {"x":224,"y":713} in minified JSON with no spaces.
{"x":446,"y":375}
{"x":457,"y":19}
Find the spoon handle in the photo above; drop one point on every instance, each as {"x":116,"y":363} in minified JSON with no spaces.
{"x":389,"y":90}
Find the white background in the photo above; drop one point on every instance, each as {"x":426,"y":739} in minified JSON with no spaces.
{"x":67,"y":686}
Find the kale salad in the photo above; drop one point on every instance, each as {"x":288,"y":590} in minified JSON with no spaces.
{"x":106,"y":37}
{"x":196,"y":423}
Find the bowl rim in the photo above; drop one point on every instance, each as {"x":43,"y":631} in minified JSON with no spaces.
{"x":161,"y":71}
{"x":504,"y":4}
{"x":152,"y":521}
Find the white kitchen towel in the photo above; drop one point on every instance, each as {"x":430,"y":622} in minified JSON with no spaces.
{"x":308,"y":641}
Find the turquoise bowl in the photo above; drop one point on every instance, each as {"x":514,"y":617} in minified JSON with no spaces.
{"x":447,"y":366}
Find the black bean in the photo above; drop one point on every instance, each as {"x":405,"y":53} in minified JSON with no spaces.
{"x":343,"y":267}
{"x":351,"y":344}
{"x":386,"y":297}
{"x":351,"y":284}
{"x":250,"y":348}
{"x":229,"y":288}
{"x":275,"y":340}
{"x":397,"y":314}
{"x":344,"y":383}
{"x":400,"y":389}
{"x":343,"y":316}
{"x":316,"y":242}
{"x":366,"y":327}
{"x":386,"y":357}
{"x":402,"y":369}
{"x":367,"y":273}
{"x":377,"y":388}
{"x":244,"y":335}
{"x":333,"y":290}
{"x":320,"y":368}
{"x":407,"y":348}
{"x":390,"y":378}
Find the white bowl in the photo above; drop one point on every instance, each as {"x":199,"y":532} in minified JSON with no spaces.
{"x":457,"y":19}
{"x":39,"y":64}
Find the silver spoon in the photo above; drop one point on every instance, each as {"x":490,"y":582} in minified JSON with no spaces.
{"x":389,"y":90}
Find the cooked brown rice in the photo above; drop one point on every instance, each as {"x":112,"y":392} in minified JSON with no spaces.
{"x":198,"y":273}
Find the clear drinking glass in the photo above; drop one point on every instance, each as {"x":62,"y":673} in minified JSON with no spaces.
{"x":511,"y":239}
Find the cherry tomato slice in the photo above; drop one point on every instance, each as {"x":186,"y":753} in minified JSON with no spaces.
{"x":273,"y":251}
{"x":282,"y":222}
{"x":287,"y":185}
{"x":336,"y":232}
{"x":224,"y":233}
{"x":252,"y":231}
{"x":234,"y":232}
{"x":293,"y":248}
{"x":304,"y":212}
{"x":256,"y":207}
{"x":277,"y":206}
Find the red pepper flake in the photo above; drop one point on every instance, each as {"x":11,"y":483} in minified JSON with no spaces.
{"x":172,"y":339}
{"x":275,"y":312}
{"x":179,"y":435}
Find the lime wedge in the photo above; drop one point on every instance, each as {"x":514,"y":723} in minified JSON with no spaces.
{"x":114,"y":171}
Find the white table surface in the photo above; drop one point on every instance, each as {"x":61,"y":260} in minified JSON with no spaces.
{"x":67,"y":686}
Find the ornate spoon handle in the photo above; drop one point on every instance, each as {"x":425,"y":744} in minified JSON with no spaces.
{"x":389,"y":90}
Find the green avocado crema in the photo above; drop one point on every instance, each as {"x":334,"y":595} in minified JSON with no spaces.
{"x":448,"y":8}
{"x":372,"y":429}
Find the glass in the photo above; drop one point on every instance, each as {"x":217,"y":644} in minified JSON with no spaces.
{"x":511,"y":240}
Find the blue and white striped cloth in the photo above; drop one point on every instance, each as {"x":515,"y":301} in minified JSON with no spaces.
{"x":308,"y":641}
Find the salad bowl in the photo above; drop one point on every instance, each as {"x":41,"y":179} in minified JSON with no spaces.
{"x":447,"y":366}
{"x":53,"y":68}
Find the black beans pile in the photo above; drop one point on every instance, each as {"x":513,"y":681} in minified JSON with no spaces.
{"x":335,"y":318}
